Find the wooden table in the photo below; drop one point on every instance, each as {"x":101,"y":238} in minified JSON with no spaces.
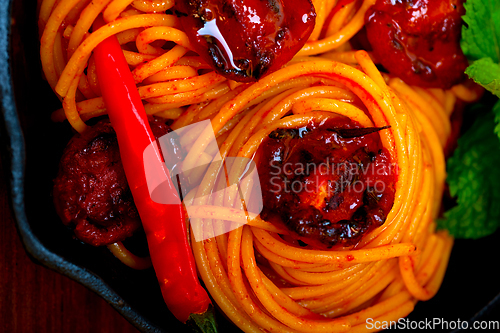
{"x":35,"y":299}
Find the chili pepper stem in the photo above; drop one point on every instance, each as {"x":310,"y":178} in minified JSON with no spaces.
{"x":203,"y":322}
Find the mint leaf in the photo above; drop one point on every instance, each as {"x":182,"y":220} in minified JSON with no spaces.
{"x":481,"y":34}
{"x":486,"y":73}
{"x":481,"y":42}
{"x":474,"y":180}
{"x":496,"y":111}
{"x":473,"y":170}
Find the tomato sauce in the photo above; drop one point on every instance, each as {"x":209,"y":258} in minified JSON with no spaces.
{"x":327,"y":182}
{"x":418,"y":40}
{"x":244,"y":40}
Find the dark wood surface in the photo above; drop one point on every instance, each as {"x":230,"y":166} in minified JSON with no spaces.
{"x":35,"y":299}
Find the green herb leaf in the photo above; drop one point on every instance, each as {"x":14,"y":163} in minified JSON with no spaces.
{"x":496,"y":111}
{"x":481,"y":42}
{"x":486,"y":73}
{"x":474,"y":179}
{"x":481,"y":34}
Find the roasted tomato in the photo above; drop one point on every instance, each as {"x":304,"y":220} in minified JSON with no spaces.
{"x":328,"y":182}
{"x":245,"y":40}
{"x":418,"y":40}
{"x":91,"y":192}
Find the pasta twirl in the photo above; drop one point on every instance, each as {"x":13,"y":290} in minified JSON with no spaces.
{"x":336,"y":290}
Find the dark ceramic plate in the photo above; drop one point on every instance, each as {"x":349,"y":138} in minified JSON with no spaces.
{"x":32,"y":148}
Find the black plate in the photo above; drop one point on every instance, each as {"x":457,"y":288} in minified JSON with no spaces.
{"x":33,"y":145}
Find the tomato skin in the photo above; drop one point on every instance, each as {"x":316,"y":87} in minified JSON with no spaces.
{"x":327,"y":188}
{"x":91,"y":191}
{"x":418,"y":41}
{"x":246,"y":40}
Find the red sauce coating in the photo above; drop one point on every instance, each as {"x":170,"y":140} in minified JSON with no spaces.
{"x":418,"y":40}
{"x":327,"y":188}
{"x":245,"y":40}
{"x":91,"y":192}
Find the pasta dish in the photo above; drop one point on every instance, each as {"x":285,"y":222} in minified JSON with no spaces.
{"x":348,"y":108}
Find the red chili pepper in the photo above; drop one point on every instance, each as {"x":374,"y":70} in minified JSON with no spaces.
{"x":164,"y":225}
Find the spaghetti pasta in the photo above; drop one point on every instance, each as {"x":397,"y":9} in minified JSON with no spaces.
{"x":258,"y":277}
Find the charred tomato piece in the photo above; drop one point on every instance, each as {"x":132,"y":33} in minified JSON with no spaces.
{"x":328,"y":182}
{"x":418,"y":40}
{"x":91,"y":192}
{"x":245,"y":40}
